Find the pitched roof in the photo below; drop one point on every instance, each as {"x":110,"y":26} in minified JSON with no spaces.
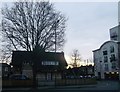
{"x":18,"y":57}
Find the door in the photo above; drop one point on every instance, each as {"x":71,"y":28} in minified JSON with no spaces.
{"x":49,"y":76}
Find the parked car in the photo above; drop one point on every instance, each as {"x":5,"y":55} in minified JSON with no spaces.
{"x":81,"y":77}
{"x":18,"y":77}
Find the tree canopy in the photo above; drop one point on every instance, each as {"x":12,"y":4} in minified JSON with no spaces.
{"x":32,"y":25}
{"x":75,"y":58}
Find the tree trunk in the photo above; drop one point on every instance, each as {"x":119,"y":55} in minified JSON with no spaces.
{"x":34,"y":77}
{"x":34,"y":69}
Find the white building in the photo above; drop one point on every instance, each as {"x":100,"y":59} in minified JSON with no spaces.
{"x":106,"y":57}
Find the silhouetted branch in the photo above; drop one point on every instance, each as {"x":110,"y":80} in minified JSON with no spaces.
{"x":30,"y":24}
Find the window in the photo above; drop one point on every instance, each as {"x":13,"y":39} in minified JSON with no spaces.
{"x":111,"y":49}
{"x":105,"y":59}
{"x":100,"y":61}
{"x":112,"y":58}
{"x":114,"y":36}
{"x":49,"y":76}
{"x":113,"y":65}
{"x":106,"y":67}
{"x":105,"y":53}
{"x":57,"y":63}
{"x":50,"y":63}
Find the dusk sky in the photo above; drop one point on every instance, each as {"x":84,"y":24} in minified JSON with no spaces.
{"x":88,"y":25}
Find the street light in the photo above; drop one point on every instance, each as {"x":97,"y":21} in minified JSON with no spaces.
{"x":56,"y":35}
{"x":55,"y":47}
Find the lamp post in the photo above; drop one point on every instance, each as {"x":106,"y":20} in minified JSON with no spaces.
{"x":55,"y":47}
{"x":56,"y":35}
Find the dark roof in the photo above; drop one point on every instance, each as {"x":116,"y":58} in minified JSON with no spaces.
{"x":18,"y":57}
{"x":4,"y":65}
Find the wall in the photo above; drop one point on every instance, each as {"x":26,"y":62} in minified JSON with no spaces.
{"x":98,"y":56}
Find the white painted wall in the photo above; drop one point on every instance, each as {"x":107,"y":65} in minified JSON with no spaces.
{"x":98,"y":56}
{"x":114,"y":31}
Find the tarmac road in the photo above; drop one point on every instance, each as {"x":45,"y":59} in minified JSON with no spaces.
{"x":61,"y":90}
{"x":101,"y":86}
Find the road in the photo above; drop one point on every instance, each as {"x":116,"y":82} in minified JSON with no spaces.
{"x":61,"y":90}
{"x":101,"y":86}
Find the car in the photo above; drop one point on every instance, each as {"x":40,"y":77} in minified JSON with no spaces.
{"x":81,"y":77}
{"x":18,"y":77}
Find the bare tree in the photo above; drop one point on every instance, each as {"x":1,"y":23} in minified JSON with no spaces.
{"x":33,"y":25}
{"x":75,"y":58}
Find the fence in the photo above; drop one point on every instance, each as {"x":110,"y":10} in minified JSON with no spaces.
{"x":75,"y":81}
{"x":58,"y":82}
{"x":17,"y":83}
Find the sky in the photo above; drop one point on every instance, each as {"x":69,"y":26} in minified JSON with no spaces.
{"x":88,"y":25}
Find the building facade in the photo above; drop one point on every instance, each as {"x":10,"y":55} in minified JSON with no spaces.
{"x":48,"y":66}
{"x":106,"y":58}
